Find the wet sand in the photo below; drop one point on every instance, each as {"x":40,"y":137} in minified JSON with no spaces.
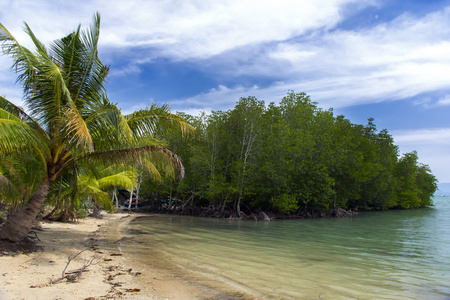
{"x":113,"y":274}
{"x":164,"y":278}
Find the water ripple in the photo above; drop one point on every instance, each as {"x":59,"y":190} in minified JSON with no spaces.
{"x":383,"y":255}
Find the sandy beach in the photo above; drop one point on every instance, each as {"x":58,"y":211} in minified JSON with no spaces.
{"x":109,"y":274}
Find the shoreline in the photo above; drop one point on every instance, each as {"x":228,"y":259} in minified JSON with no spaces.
{"x":28,"y":276}
{"x":113,"y":274}
{"x":166,"y":279}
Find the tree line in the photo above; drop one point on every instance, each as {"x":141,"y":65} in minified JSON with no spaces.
{"x":291,"y":158}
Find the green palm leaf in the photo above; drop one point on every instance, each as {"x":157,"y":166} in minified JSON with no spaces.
{"x":15,"y":134}
{"x":126,"y":179}
{"x":155,"y":120}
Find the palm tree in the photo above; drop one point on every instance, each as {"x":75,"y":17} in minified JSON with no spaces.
{"x":70,"y":121}
{"x":95,"y":185}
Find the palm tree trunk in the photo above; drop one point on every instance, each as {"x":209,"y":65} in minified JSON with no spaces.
{"x":19,"y":224}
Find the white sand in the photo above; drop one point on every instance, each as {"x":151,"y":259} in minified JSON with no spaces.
{"x":27,"y":276}
{"x":111,"y":275}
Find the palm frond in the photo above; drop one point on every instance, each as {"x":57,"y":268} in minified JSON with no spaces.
{"x":107,"y":125}
{"x":23,"y":59}
{"x":89,"y":187}
{"x":15,"y":134}
{"x":78,"y":130}
{"x":126,"y":179}
{"x":136,"y":157}
{"x":154,"y":120}
{"x":152,"y":170}
{"x":20,"y":113}
{"x":39,"y":46}
{"x":92,"y":78}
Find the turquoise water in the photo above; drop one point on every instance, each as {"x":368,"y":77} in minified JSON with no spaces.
{"x":375,"y":255}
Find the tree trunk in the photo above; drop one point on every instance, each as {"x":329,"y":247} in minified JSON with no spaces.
{"x":19,"y":224}
{"x":131,"y":199}
{"x":138,"y":186}
{"x":238,"y":207}
{"x":114,"y":197}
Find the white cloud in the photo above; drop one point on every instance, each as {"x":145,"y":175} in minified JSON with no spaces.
{"x":396,"y":60}
{"x":403,"y":58}
{"x":49,"y":20}
{"x":429,"y":103}
{"x":173,"y":29}
{"x":224,"y":98}
{"x":440,"y":136}
{"x":221,"y":97}
{"x":392,"y":61}
{"x":341,"y":91}
{"x":432,"y":146}
{"x":181,"y":29}
{"x":445,"y":101}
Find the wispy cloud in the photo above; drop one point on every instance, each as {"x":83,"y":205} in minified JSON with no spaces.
{"x":439,"y":136}
{"x":183,"y":29}
{"x":396,"y":60}
{"x":445,"y":101}
{"x":298,"y":43}
{"x":430,"y":103}
{"x":193,"y":29}
{"x":136,"y":32}
{"x":432,"y":146}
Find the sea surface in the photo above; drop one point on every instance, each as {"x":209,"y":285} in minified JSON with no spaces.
{"x":375,"y":255}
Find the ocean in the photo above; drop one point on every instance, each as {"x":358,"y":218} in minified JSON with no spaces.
{"x":397,"y":254}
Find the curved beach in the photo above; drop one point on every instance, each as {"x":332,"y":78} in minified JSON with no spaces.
{"x":111,"y":275}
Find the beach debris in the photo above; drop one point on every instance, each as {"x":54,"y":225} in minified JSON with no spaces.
{"x":112,"y":268}
{"x":73,"y":275}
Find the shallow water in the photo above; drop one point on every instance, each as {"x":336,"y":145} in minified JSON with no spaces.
{"x":382,"y":255}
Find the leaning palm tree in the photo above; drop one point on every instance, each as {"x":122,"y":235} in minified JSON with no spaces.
{"x":68,"y":120}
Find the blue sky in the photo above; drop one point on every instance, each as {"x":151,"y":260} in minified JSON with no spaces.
{"x":389,"y":60}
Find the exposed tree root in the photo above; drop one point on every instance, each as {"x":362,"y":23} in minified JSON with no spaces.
{"x":28,"y":245}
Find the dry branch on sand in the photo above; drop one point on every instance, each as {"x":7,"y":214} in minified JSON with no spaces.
{"x":74,"y":274}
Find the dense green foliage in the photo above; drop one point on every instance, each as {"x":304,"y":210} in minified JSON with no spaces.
{"x":292,"y":158}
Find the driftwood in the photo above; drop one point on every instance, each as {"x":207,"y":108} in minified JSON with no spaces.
{"x":74,"y":274}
